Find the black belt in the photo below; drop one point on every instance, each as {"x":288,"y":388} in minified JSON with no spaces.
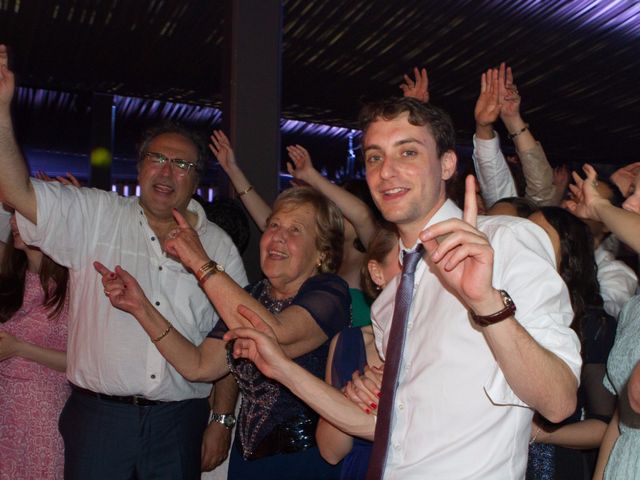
{"x":131,"y":400}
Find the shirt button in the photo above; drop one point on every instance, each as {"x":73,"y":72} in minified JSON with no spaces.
{"x":153,"y":239}
{"x":153,"y":375}
{"x":396,"y":445}
{"x":160,"y":267}
{"x":400,"y":406}
{"x":157,"y":304}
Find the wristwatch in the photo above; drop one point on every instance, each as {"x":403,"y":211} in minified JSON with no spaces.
{"x":226,"y":419}
{"x":508,"y":310}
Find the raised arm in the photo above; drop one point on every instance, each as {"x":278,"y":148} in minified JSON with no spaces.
{"x":588,"y":203}
{"x":354,"y":209}
{"x":15,"y":187}
{"x":253,"y":202}
{"x":257,"y":343}
{"x":537,"y":172}
{"x":464,"y":260}
{"x":491,"y":167}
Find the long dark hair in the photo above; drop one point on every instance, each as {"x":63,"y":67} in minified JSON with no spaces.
{"x":53,"y":278}
{"x":577,"y":262}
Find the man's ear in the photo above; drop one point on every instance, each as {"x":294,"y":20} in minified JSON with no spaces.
{"x":448,"y":164}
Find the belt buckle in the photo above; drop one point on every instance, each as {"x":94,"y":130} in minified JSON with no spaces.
{"x":136,"y":400}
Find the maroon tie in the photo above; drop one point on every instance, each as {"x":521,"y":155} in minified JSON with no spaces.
{"x":392,"y":363}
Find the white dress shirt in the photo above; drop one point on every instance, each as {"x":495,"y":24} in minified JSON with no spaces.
{"x":618,"y":282}
{"x":492,"y":171}
{"x":108,"y":351}
{"x":455,"y":416}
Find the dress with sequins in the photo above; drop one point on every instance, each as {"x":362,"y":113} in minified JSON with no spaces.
{"x":32,"y":395}
{"x":270,"y":415}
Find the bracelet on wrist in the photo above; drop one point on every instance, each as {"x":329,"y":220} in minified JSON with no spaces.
{"x":522,"y":130}
{"x":163,"y":334}
{"x":245,"y":191}
{"x":208,"y":269}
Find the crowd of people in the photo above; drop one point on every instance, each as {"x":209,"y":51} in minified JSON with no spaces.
{"x":398,"y":331}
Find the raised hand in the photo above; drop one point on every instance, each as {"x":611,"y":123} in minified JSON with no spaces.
{"x":584,"y":194}
{"x":623,"y":177}
{"x":257,"y":342}
{"x":418,"y":88}
{"x":68,"y":180}
{"x":122,"y":289}
{"x":463,"y":255}
{"x":7,"y":79}
{"x":508,"y":95}
{"x":488,"y":105}
{"x":221,"y":148}
{"x":300,"y":165}
{"x":183,"y":243}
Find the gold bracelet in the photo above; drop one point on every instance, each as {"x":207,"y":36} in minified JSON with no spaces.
{"x":208,"y":269}
{"x":245,"y":191}
{"x":163,"y":334}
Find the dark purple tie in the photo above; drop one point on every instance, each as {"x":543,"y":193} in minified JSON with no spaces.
{"x":392,"y":363}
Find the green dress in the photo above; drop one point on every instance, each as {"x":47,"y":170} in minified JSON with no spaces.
{"x":624,"y":461}
{"x":360,"y":308}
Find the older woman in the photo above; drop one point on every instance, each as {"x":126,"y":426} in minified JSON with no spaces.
{"x":301,"y":299}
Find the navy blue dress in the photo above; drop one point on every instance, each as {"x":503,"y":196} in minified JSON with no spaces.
{"x":275,"y":431}
{"x":348,"y":356}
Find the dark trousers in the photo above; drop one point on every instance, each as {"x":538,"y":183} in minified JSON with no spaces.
{"x":116,"y":441}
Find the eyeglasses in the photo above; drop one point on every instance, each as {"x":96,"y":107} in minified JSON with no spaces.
{"x":159,"y":159}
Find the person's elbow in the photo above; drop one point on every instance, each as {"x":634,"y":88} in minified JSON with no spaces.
{"x":329,"y":454}
{"x":563,"y":402}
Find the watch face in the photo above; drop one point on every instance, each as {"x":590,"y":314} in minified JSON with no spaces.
{"x":229,"y":421}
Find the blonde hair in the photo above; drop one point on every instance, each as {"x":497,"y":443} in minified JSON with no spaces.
{"x":329,"y":224}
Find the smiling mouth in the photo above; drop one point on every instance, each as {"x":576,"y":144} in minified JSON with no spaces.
{"x":164,"y":189}
{"x":276,"y":255}
{"x":391,"y":192}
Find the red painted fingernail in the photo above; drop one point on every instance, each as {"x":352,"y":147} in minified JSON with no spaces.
{"x":378,"y":394}
{"x":367,"y":410}
{"x":373,"y":405}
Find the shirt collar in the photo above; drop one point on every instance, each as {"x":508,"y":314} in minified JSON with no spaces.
{"x":448,"y":210}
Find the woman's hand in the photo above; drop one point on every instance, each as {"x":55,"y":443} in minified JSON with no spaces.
{"x":9,"y":346}
{"x":584,"y":195}
{"x":221,"y":148}
{"x":300,"y":166}
{"x":184,"y":243}
{"x":257,"y":342}
{"x":364,"y":388}
{"x":418,"y":88}
{"x":122,"y":289}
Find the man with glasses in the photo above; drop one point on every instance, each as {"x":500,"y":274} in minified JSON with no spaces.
{"x":130,"y":414}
